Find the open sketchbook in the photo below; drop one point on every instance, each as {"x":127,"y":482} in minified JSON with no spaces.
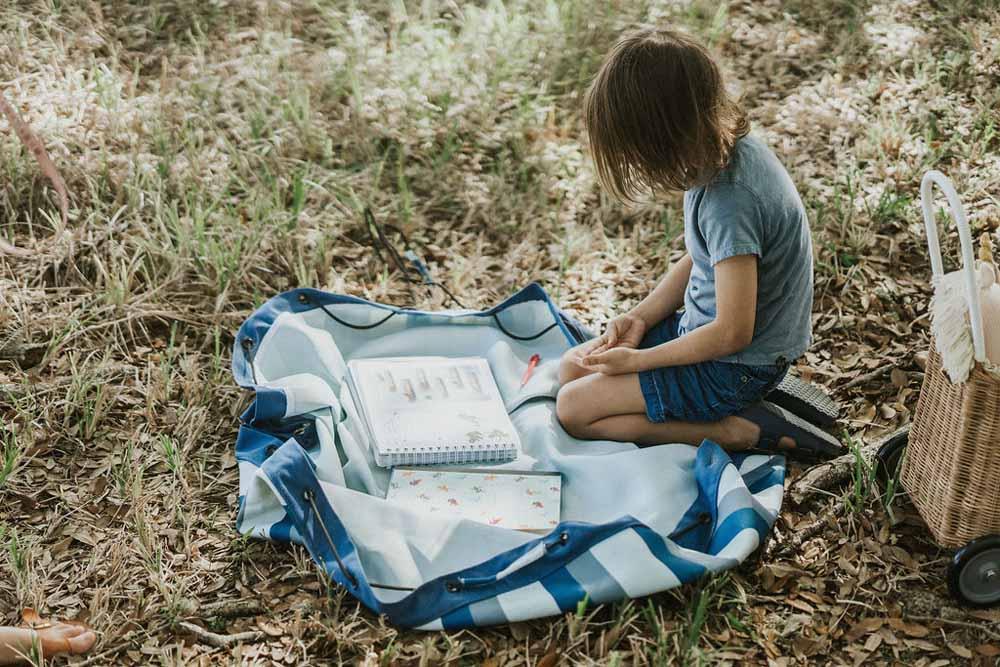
{"x":506,"y":498}
{"x":431,"y":410}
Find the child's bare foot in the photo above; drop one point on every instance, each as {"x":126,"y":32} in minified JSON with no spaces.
{"x":66,"y":638}
{"x":52,"y":637}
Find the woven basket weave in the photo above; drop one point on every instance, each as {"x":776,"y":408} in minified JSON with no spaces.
{"x":951,"y":470}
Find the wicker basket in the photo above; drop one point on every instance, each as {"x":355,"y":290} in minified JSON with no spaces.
{"x":951,"y":470}
{"x":952,"y":466}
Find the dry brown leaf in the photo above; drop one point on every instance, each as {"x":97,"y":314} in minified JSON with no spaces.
{"x":922,"y":644}
{"x":271,"y":629}
{"x":863,"y":627}
{"x":909,"y":629}
{"x":960,"y":651}
{"x":549,"y":659}
{"x":801,"y":605}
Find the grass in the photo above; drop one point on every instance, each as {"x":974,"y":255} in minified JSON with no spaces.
{"x":10,"y":454}
{"x":218,"y":155}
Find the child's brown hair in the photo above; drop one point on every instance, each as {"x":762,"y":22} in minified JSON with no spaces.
{"x":658,"y":115}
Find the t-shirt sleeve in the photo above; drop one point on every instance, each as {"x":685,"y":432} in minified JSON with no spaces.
{"x":731,"y":222}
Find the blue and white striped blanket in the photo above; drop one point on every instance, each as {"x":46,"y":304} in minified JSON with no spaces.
{"x":634,"y":520}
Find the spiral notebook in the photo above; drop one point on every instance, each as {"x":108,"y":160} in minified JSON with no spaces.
{"x":433,"y":410}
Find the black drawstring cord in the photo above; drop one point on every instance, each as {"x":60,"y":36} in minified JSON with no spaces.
{"x":409,"y":264}
{"x":310,"y":496}
{"x":360,"y":327}
{"x":516,"y":337}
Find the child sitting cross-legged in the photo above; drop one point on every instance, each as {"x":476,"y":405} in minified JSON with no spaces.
{"x":695,"y":358}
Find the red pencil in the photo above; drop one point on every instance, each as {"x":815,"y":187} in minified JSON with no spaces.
{"x":531,"y":367}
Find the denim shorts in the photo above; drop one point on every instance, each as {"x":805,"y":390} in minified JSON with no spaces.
{"x":701,"y":392}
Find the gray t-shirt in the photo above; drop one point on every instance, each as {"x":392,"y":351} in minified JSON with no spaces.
{"x":752,"y":208}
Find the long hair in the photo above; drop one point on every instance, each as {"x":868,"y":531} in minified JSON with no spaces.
{"x":658,"y":115}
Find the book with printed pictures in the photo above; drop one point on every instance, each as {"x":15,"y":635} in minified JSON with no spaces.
{"x":433,"y":410}
{"x":518,"y":500}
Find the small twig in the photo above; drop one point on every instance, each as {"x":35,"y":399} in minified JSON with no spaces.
{"x":37,"y":149}
{"x":217,"y":640}
{"x":825,"y":477}
{"x":231,"y":608}
{"x":807,"y":532}
{"x":861,"y":379}
{"x":995,"y":636}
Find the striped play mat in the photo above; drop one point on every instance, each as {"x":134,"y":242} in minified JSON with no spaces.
{"x":634,"y":520}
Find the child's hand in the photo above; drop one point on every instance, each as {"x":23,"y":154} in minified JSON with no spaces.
{"x":616,"y":361}
{"x":624,"y":331}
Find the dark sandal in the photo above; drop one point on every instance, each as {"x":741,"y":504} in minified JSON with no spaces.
{"x":776,"y":423}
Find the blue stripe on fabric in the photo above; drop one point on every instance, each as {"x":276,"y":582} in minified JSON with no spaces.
{"x":566,"y":590}
{"x":270,"y":404}
{"x":691,"y":532}
{"x":772,"y":477}
{"x":487,"y":612}
{"x":254,"y":446}
{"x":735,"y":523}
{"x":283,"y":531}
{"x":433,"y":600}
{"x":597,"y":581}
{"x":291,"y":472}
{"x":683,"y":569}
{"x":709,"y":464}
{"x":458,"y":619}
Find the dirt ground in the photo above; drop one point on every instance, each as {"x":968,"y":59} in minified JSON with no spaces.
{"x":217,"y":152}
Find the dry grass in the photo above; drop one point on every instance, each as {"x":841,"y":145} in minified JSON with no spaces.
{"x":218,"y":152}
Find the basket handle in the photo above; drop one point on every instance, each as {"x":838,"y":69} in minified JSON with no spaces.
{"x":968,"y":259}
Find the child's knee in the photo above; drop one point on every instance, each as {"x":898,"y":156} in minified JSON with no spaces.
{"x":568,"y":411}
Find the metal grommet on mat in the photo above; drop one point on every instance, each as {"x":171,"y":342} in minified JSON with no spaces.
{"x":563,"y":538}
{"x":247,"y":343}
{"x":303,"y":297}
{"x":452,"y":586}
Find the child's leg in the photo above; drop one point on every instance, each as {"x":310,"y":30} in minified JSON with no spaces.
{"x":612,"y":407}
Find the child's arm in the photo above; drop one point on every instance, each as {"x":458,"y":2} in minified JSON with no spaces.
{"x":628,"y":330}
{"x":730,"y":332}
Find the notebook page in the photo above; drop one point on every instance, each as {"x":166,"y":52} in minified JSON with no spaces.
{"x":427,"y":403}
{"x":517,"y":500}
